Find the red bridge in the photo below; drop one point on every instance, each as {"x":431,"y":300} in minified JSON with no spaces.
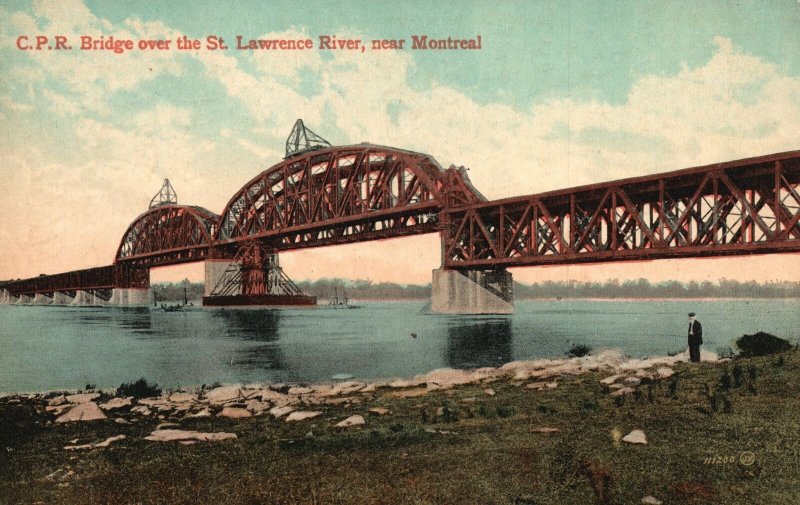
{"x":322,"y":195}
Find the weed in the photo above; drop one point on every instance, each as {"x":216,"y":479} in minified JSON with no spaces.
{"x":737,"y":375}
{"x":779,"y":362}
{"x":752,"y":372}
{"x":138,"y":389}
{"x":726,"y":352}
{"x":579,"y":350}
{"x":725,"y":381}
{"x":485,"y":413}
{"x":673,"y":387}
{"x":505,"y":410}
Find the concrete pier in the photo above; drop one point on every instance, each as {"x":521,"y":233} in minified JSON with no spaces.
{"x":131,"y":297}
{"x":215,"y":271}
{"x":472,"y":292}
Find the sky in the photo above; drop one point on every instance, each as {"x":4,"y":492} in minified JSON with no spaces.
{"x":562,"y":93}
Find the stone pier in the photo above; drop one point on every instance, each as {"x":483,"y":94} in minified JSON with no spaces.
{"x":215,"y":271}
{"x":472,"y":292}
{"x":131,"y":297}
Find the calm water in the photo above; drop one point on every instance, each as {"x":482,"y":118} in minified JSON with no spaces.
{"x":43,"y":348}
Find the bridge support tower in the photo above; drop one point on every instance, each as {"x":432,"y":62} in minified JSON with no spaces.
{"x":472,"y":291}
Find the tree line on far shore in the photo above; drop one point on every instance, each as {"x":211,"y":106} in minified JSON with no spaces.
{"x":641,"y":288}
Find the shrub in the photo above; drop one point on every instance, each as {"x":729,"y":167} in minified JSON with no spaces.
{"x":505,"y":411}
{"x":726,"y":352}
{"x":725,"y":381}
{"x":737,"y":375}
{"x":578,"y":351}
{"x":139,"y":389}
{"x":761,"y":344}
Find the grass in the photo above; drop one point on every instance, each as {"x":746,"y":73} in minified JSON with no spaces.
{"x":453,"y":447}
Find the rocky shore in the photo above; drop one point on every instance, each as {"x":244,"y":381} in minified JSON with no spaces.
{"x":300,"y":402}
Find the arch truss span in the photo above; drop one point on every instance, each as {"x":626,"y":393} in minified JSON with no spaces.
{"x":168,"y":234}
{"x":344,"y":195}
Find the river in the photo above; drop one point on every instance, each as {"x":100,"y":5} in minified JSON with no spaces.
{"x":50,"y":348}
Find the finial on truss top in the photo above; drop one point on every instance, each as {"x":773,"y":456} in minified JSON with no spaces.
{"x":302,"y":139}
{"x":165,"y":196}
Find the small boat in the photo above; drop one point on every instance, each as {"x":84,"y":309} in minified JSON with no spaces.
{"x":341,"y":303}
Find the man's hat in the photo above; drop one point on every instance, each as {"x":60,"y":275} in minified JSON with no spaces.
{"x":691,"y":314}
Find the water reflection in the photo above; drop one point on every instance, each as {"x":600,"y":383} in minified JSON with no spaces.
{"x":261,"y":328}
{"x":473,"y":344}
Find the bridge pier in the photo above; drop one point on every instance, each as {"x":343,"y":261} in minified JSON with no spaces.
{"x":215,"y":269}
{"x":131,"y":297}
{"x":472,"y":292}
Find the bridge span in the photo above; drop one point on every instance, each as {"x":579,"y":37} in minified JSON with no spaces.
{"x":322,"y":195}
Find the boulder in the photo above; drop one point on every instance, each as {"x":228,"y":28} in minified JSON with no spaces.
{"x":489,"y":391}
{"x":379,"y":411}
{"x":82,"y":412}
{"x":633,"y":381}
{"x":611,"y":379}
{"x":235,"y":413}
{"x":141,"y":409}
{"x":183,"y":435}
{"x":109,"y":440}
{"x":622,"y":391}
{"x":664,"y":373}
{"x":635,"y":437}
{"x":58,"y":400}
{"x":116,"y":403}
{"x":121,"y":420}
{"x":351,"y":421}
{"x":183,"y":397}
{"x":299,"y":390}
{"x":409,"y":393}
{"x":651,"y":500}
{"x":83,"y":397}
{"x":302,"y":415}
{"x":202,"y":413}
{"x":223,"y":394}
{"x":278,"y":412}
{"x":257,"y":407}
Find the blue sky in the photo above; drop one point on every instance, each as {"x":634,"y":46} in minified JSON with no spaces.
{"x":562,"y":93}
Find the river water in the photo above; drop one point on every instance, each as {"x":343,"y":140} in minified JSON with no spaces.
{"x":47,"y":348}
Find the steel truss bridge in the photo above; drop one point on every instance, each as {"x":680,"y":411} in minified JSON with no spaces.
{"x":329,"y":195}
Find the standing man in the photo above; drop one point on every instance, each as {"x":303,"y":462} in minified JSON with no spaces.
{"x":695,"y":338}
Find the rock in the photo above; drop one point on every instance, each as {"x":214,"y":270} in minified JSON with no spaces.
{"x":664,"y":373}
{"x":278,"y":412}
{"x":409,"y":393}
{"x":611,"y":379}
{"x":544,"y":430}
{"x":538,"y":386}
{"x":616,"y":386}
{"x":633,"y":381}
{"x":407,"y":383}
{"x":109,"y":440}
{"x":223,"y":394}
{"x":257,"y":407}
{"x":341,"y":377}
{"x":121,"y":420}
{"x":202,"y":413}
{"x":651,"y":500}
{"x":235,"y":413}
{"x":489,"y":391}
{"x":77,"y":447}
{"x":369,"y":388}
{"x":141,"y":409}
{"x":351,"y":421}
{"x":161,"y":426}
{"x":116,"y":403}
{"x":302,"y":415}
{"x":104,"y":443}
{"x":60,"y":475}
{"x":183,"y":397}
{"x":59,"y":409}
{"x":447,"y":378}
{"x":551,"y":385}
{"x":298,"y":390}
{"x":58,"y":400}
{"x":82,"y":398}
{"x":380,"y":411}
{"x":82,"y":412}
{"x":269,"y":395}
{"x":635,"y":437}
{"x":182,"y":435}
{"x":622,"y":391}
